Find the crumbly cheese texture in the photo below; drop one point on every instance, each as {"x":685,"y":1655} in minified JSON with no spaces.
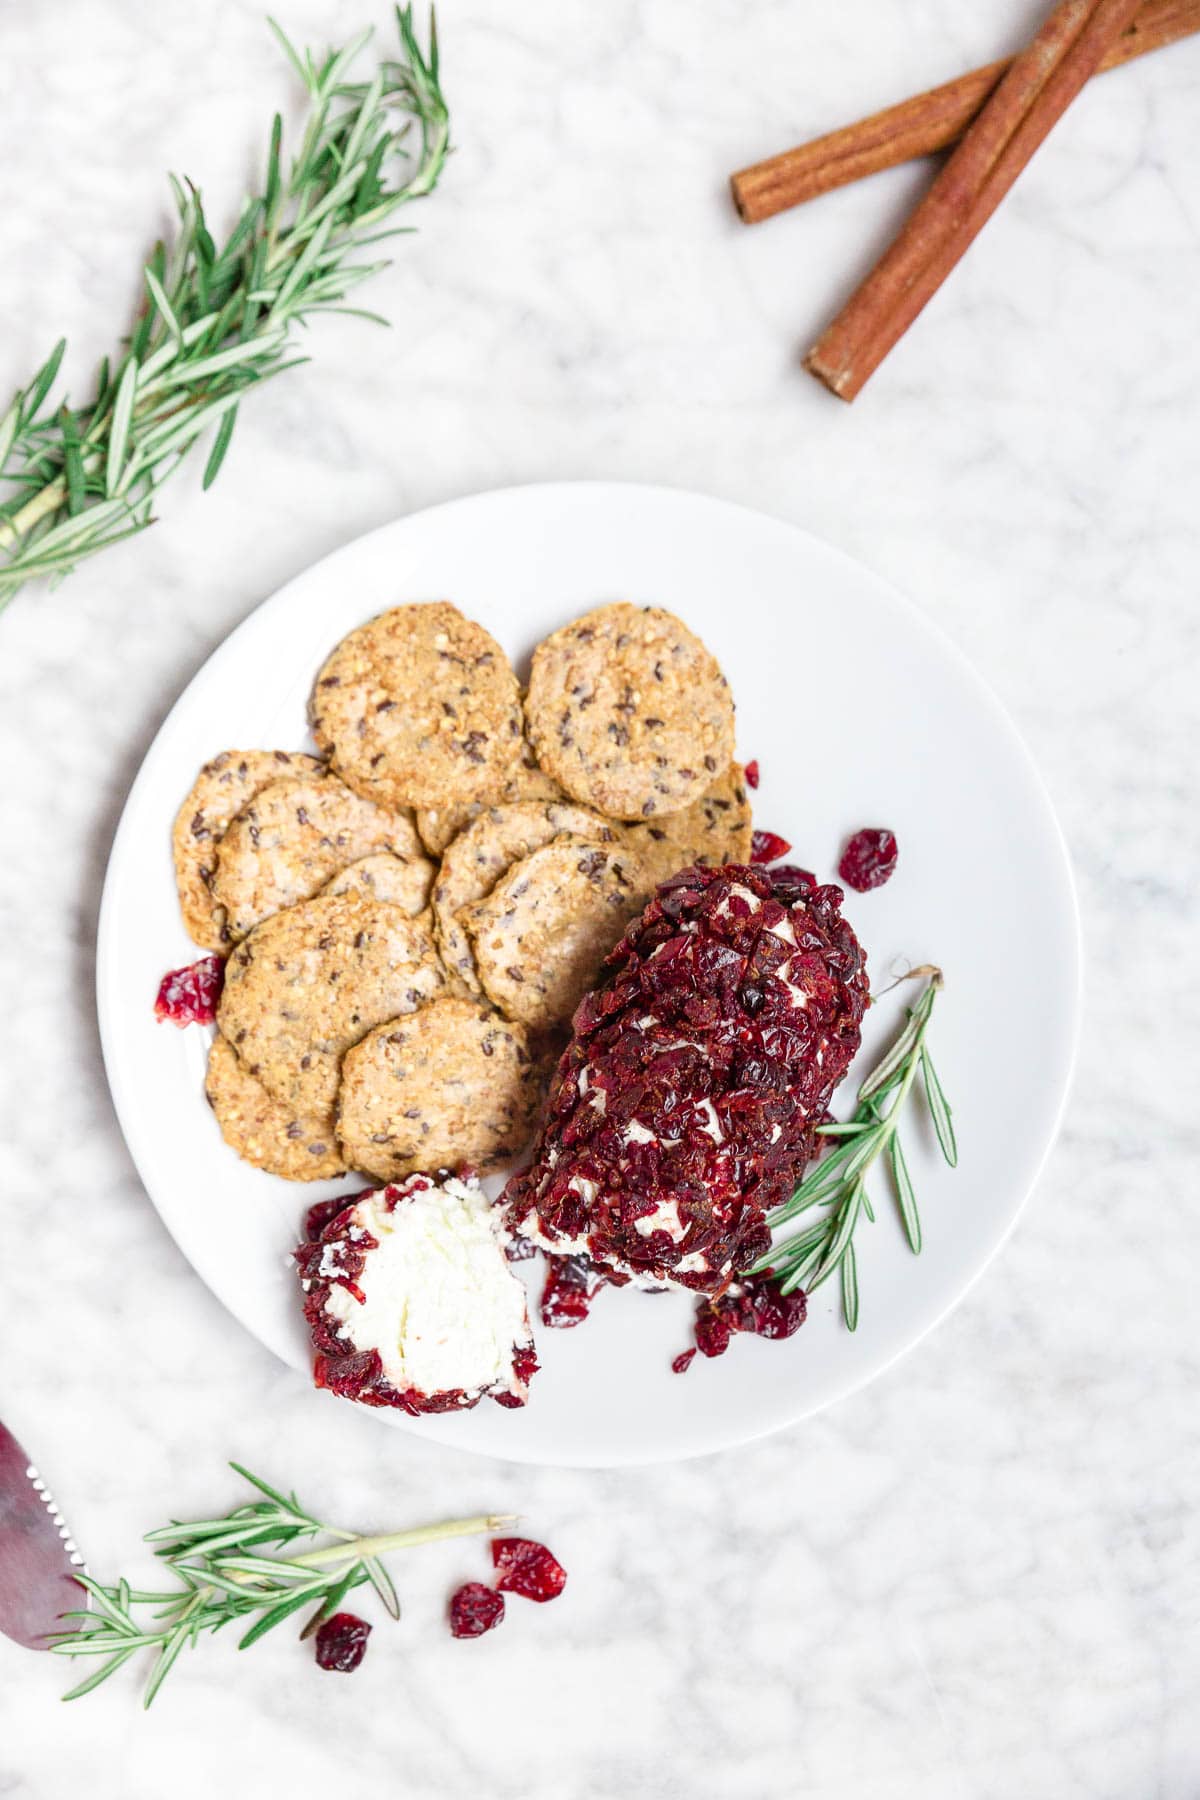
{"x":440,"y":1302}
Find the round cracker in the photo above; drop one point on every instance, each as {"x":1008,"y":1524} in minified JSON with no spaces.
{"x":398,"y":881}
{"x":542,"y":933}
{"x":439,"y":826}
{"x":223,"y":786}
{"x":292,"y":837}
{"x":478,"y":857}
{"x":309,"y":982}
{"x":452,"y":1085}
{"x":629,"y":712}
{"x":260,"y":1129}
{"x":715,"y":829}
{"x":420,"y":707}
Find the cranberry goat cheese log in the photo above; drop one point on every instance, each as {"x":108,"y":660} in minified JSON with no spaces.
{"x":687,"y":1101}
{"x":411,"y":1301}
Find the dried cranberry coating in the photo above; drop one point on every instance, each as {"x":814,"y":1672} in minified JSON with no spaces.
{"x":189,"y":996}
{"x":869,"y":859}
{"x":528,"y":1569}
{"x":686,"y":1103}
{"x":525,"y":1367}
{"x":475,"y":1609}
{"x":342,"y":1642}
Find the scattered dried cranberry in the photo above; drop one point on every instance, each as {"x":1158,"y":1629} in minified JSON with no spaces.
{"x":519,"y":1249}
{"x":712,"y":1332}
{"x":189,"y":996}
{"x":683,"y":1362}
{"x":527,"y":1569}
{"x":475,"y":1609}
{"x":752,"y":773}
{"x":755,"y":1304}
{"x":775,"y":1314}
{"x":868,"y":859}
{"x":768,"y":847}
{"x":342,"y":1642}
{"x":572,"y":1283}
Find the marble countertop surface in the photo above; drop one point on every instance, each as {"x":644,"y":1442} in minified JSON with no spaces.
{"x":978,"y":1578}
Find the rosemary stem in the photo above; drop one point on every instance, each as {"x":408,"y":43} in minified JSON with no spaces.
{"x":48,"y":500}
{"x":358,"y":1548}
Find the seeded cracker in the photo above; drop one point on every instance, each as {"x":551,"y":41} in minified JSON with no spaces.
{"x":260,"y":1129}
{"x":629,"y":712}
{"x":293,"y":836}
{"x":218,"y":794}
{"x":477,"y":859}
{"x":439,"y":826}
{"x":452,"y":1085}
{"x":714,"y":829}
{"x":404,"y":883}
{"x":309,"y":982}
{"x":542,"y":933}
{"x":420,"y":708}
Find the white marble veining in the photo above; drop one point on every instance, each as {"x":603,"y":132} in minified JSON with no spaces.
{"x":978,"y":1578}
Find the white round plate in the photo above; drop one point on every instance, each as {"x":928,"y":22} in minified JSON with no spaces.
{"x":859,"y":713}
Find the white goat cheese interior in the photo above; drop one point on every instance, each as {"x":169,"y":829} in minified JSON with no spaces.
{"x":440,"y":1302}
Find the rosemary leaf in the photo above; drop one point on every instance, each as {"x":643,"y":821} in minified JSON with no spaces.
{"x":217,"y":318}
{"x":835,"y":1194}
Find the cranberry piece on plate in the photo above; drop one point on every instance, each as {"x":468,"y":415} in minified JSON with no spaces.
{"x":527,"y":1569}
{"x":868,"y":859}
{"x":752,"y":773}
{"x":683,"y":1362}
{"x":571,"y":1285}
{"x":475,"y":1609}
{"x":342,"y":1642}
{"x":189,"y":996}
{"x":768,"y":847}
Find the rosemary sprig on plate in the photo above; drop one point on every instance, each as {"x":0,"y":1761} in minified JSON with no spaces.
{"x":835,"y":1192}
{"x":221,"y":1574}
{"x":217,"y":321}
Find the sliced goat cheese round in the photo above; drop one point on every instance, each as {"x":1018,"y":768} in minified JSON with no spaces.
{"x":411,"y":1300}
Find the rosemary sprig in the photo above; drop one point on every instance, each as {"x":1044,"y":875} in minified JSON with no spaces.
{"x":217,"y":321}
{"x":221,"y":1574}
{"x":835,"y":1192}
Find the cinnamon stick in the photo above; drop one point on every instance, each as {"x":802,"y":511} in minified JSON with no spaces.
{"x":924,"y":124}
{"x":1032,"y":96}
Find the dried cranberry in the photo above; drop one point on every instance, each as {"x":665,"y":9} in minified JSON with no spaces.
{"x":527,"y":1569}
{"x":790,"y":882}
{"x":752,"y":773}
{"x":525,"y":1367}
{"x":571,"y":1285}
{"x":189,"y":996}
{"x":775,"y":1314}
{"x":475,"y":1609}
{"x":868,"y":859}
{"x":712,"y":1331}
{"x":324,"y":1212}
{"x":768,"y":847}
{"x":342,"y":1642}
{"x":683,"y":1362}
